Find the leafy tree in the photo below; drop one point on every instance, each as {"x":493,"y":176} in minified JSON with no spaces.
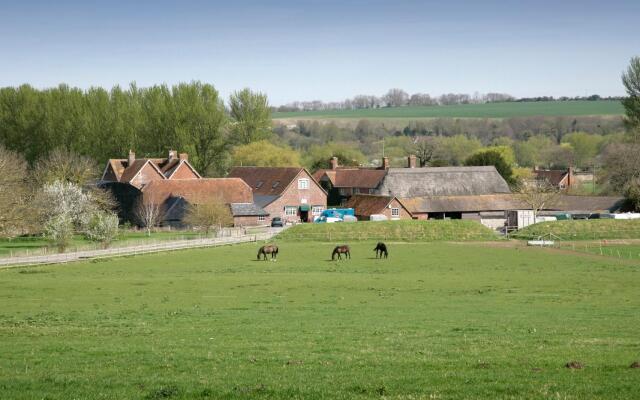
{"x":265,"y":154}
{"x":631,"y":82}
{"x":585,"y":147}
{"x":318,"y":157}
{"x":102,"y":227}
{"x":209,"y":216}
{"x":455,"y":149}
{"x":65,"y":199}
{"x":251,"y":116}
{"x":59,"y":231}
{"x":424,"y":150}
{"x":495,"y":158}
{"x":622,"y":167}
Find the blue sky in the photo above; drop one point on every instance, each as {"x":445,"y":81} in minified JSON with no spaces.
{"x":328,"y":50}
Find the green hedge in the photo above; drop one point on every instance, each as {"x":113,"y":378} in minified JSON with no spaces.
{"x":409,"y":231}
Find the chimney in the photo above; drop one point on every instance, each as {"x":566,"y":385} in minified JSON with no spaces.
{"x":334,"y":162}
{"x":570,"y":176}
{"x":173,"y":155}
{"x":385,"y":163}
{"x":183,"y":157}
{"x":411,"y":161}
{"x":131,"y":159}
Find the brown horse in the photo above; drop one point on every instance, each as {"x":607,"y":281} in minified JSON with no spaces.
{"x":268,"y":249}
{"x":381,"y":249}
{"x":344,"y":249}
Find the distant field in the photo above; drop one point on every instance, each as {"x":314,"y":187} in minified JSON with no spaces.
{"x":434,"y":321}
{"x":490,"y":110}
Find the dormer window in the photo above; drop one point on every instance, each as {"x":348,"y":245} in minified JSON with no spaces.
{"x":259,"y":184}
{"x":275,"y":184}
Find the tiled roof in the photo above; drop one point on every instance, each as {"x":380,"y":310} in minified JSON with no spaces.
{"x":246,"y":210}
{"x":125,"y":172}
{"x":554,"y":177}
{"x":271,"y":181}
{"x":353,"y":177}
{"x":198,"y":191}
{"x":367,"y":204}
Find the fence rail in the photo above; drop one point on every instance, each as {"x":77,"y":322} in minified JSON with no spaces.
{"x":165,"y":245}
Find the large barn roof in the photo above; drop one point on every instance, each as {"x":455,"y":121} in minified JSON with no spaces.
{"x":487,"y":202}
{"x":198,"y":191}
{"x":352,"y":177}
{"x":443,"y":181}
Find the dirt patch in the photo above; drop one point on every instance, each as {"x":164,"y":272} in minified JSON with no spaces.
{"x":574,"y":365}
{"x":635,"y":364}
{"x":295,"y":362}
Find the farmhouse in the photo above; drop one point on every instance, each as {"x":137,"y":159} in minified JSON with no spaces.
{"x":366,"y":205}
{"x":173,"y":184}
{"x":343,"y":182}
{"x":290,"y":193}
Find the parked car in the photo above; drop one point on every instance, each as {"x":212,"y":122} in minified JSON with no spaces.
{"x":277,"y":221}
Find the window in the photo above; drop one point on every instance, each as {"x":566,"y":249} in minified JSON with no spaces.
{"x":372,"y":191}
{"x":395,"y":212}
{"x":290,"y":211}
{"x":317,"y":210}
{"x":262,"y":218}
{"x":259,"y":184}
{"x":303,"y":183}
{"x":356,"y":190}
{"x":275,"y":184}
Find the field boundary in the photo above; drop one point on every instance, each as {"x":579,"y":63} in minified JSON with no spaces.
{"x":61,"y":258}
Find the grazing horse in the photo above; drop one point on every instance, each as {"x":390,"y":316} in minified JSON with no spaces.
{"x":344,"y":249}
{"x":381,"y":249}
{"x":268,"y":249}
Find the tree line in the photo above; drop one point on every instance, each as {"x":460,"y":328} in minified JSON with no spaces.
{"x":102,"y":124}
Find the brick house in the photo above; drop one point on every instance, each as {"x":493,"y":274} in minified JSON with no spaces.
{"x":173,"y":184}
{"x":343,"y":182}
{"x":366,"y":205}
{"x":287,"y":192}
{"x":561,"y":179}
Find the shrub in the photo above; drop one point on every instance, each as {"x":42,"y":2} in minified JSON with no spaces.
{"x":102,"y":227}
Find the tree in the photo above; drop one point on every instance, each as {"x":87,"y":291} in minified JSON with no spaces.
{"x":251,"y":116}
{"x":65,"y":199}
{"x":622,"y":167}
{"x":492,"y":157}
{"x":14,"y":194}
{"x":65,"y":166}
{"x":631,"y":82}
{"x":537,"y":194}
{"x":396,"y":98}
{"x":148,"y":213}
{"x":265,"y":154}
{"x":424,"y":150}
{"x":59,"y":231}
{"x":455,"y":149}
{"x":319,"y":157}
{"x":585,"y":147}
{"x":209,"y":216}
{"x":102,"y":227}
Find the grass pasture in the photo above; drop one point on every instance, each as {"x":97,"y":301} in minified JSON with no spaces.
{"x":404,"y":230}
{"x":592,"y":229}
{"x":488,"y":110}
{"x":434,"y":321}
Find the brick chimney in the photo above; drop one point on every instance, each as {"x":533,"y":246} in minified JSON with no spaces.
{"x":570,"y":177}
{"x":334,"y":162}
{"x":385,"y":163}
{"x":183,"y":157}
{"x":173,"y":155}
{"x":411,"y":161}
{"x":131,"y":159}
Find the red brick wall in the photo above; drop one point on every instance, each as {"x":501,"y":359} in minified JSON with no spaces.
{"x":293,"y":196}
{"x":146,"y":175}
{"x":248,"y":221}
{"x":184,"y":172}
{"x":395,"y":204}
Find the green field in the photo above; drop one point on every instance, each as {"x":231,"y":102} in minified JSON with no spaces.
{"x":407,"y":230}
{"x":489,"y":110}
{"x":434,"y":321}
{"x":593,"y":229}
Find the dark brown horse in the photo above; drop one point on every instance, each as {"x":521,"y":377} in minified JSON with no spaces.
{"x":268,"y":249}
{"x":381,"y":249}
{"x":344,"y":249}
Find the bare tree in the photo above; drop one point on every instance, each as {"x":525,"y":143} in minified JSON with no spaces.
{"x":396,"y":98}
{"x":537,"y":194}
{"x":424,"y":149}
{"x":148,"y":213}
{"x":209,"y":216}
{"x":14,"y":193}
{"x":65,"y":166}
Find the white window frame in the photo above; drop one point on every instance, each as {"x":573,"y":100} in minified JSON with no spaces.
{"x":262,"y":218}
{"x":317,"y":210}
{"x":290,"y":211}
{"x":303,"y":183}
{"x":395,"y":212}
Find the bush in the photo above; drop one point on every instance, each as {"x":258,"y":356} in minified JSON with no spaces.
{"x":102,"y":227}
{"x":59,"y":231}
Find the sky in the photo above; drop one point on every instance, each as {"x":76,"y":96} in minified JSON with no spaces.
{"x":326,"y":50}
